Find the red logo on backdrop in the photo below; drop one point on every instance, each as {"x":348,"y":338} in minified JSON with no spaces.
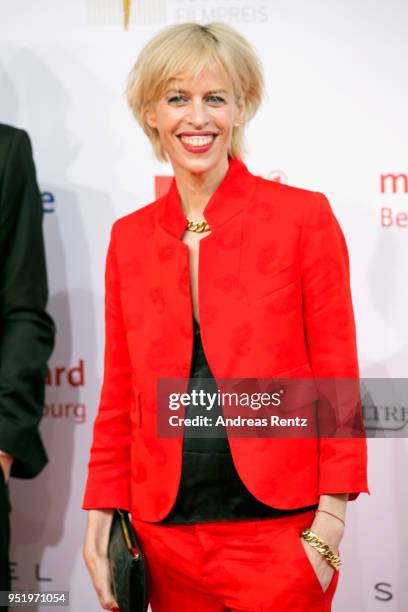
{"x":60,"y":378}
{"x":74,"y":376}
{"x":393,"y":184}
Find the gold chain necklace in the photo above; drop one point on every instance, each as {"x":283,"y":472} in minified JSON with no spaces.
{"x":197,"y":226}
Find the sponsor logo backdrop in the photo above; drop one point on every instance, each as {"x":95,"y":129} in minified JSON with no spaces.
{"x":332,"y":121}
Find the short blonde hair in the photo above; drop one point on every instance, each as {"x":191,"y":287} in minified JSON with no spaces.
{"x":183,"y":51}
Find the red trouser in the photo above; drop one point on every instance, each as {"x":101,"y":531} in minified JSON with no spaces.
{"x":250,"y":565}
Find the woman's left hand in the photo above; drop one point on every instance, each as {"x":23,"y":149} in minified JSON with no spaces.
{"x":331,"y":530}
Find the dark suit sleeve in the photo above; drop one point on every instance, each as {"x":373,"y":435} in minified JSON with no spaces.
{"x":26,"y":330}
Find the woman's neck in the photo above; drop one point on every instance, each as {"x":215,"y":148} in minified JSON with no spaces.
{"x":195,"y":190}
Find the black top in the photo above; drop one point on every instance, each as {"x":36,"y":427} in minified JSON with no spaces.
{"x":210,"y":487}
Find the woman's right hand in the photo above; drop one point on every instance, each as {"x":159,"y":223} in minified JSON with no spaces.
{"x":95,"y":553}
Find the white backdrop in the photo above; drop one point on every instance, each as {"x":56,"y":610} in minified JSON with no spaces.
{"x":334,"y":120}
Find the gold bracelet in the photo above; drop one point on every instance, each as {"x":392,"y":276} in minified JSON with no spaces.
{"x":323,"y":548}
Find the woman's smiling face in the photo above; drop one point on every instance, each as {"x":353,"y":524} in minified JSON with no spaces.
{"x":195,"y":120}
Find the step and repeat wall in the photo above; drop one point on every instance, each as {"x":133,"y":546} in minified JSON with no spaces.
{"x":333,"y":120}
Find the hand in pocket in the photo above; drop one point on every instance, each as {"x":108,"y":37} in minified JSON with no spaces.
{"x":323,"y":571}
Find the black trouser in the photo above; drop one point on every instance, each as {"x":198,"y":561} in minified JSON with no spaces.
{"x":4,"y":537}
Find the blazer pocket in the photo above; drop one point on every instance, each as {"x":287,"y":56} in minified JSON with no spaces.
{"x":309,"y":568}
{"x":136,"y":409}
{"x":297,"y":388}
{"x":296,"y":394}
{"x":262,"y":286}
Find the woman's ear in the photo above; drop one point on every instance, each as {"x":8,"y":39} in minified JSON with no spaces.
{"x":151,"y":118}
{"x":240,"y":113}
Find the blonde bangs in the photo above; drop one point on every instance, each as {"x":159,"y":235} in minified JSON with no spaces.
{"x":180,"y":68}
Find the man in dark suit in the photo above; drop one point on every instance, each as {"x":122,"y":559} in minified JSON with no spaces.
{"x":27,"y":332}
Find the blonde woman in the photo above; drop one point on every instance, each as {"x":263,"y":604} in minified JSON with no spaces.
{"x":228,"y":275}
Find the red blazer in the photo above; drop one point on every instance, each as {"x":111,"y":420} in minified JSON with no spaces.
{"x":274,"y":300}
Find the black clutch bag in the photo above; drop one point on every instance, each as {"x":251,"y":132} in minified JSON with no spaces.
{"x":127,"y":565}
